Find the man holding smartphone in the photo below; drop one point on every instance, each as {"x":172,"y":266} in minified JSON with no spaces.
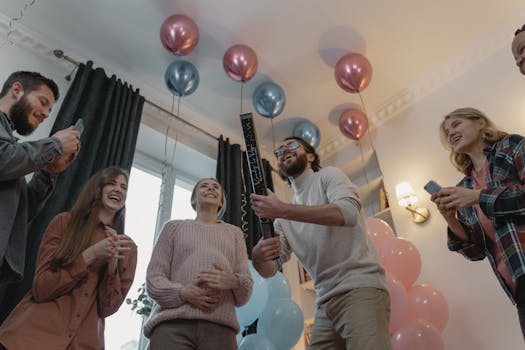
{"x":26,"y":100}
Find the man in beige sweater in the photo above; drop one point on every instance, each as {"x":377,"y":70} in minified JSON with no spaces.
{"x":324,"y":226}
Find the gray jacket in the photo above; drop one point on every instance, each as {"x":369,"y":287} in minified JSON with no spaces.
{"x":20,"y":201}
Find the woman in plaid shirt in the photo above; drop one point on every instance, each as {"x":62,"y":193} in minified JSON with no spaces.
{"x":485,"y":212}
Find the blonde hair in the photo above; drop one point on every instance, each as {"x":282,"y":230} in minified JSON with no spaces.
{"x":489,"y":133}
{"x":222,"y":207}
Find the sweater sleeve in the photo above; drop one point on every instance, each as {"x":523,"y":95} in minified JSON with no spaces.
{"x":242,"y":294}
{"x":21,"y":158}
{"x":160,"y":288}
{"x":343,"y":193}
{"x":113,"y":288}
{"x":49,"y":284}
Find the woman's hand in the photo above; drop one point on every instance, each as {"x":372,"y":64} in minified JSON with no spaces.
{"x":205,"y":299}
{"x":218,"y":279}
{"x":110,"y":248}
{"x":455,"y":198}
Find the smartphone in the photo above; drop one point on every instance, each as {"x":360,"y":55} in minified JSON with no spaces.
{"x":79,"y":125}
{"x":432,"y":187}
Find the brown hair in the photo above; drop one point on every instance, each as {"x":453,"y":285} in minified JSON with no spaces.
{"x":84,"y":218}
{"x":30,"y":81}
{"x":489,"y":133}
{"x":222,"y":208}
{"x":316,"y":163}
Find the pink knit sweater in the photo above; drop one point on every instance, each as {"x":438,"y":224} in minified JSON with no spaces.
{"x":185,"y":248}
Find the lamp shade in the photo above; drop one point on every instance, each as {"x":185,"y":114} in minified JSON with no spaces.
{"x":405,"y":194}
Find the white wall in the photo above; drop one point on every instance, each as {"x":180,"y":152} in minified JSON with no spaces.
{"x":16,"y":58}
{"x":480,"y":315}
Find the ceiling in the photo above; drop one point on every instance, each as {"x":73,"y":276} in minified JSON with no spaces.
{"x":410,"y":43}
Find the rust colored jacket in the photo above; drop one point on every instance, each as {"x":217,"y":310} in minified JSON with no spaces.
{"x":65,"y":309}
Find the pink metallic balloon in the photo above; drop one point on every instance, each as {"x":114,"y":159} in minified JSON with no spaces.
{"x":240,"y":63}
{"x":416,"y":335}
{"x":353,"y":124}
{"x":427,"y":303}
{"x":179,"y":34}
{"x":353,"y":72}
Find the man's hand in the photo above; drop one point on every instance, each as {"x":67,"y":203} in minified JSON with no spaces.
{"x":205,"y":299}
{"x":69,"y":140}
{"x":268,"y":207}
{"x":61,"y":163}
{"x":267,"y":250}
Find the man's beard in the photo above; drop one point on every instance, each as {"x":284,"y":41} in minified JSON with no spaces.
{"x":296,"y":168}
{"x":19,"y":115}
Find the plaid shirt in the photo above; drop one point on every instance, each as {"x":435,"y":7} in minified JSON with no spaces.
{"x":503,"y":201}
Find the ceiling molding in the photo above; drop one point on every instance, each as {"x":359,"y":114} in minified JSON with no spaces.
{"x":467,"y":59}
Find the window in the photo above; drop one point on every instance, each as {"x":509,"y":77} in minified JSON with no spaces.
{"x":123,"y":328}
{"x":181,"y":208}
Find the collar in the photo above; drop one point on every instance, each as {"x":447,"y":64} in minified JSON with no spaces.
{"x":302,"y":181}
{"x":490,"y":148}
{"x":8,"y":119}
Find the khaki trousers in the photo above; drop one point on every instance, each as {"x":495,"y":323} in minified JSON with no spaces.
{"x":356,"y":320}
{"x":192,"y":335}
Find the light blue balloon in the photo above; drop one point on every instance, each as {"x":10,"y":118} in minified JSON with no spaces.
{"x":256,"y":342}
{"x":309,"y":132}
{"x":182,"y":78}
{"x":279,"y":287}
{"x":248,"y":313}
{"x":282,"y":322}
{"x":269,"y":100}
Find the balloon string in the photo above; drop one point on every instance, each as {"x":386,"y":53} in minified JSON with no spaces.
{"x":12,"y":22}
{"x":368,"y":129}
{"x":176,"y":134}
{"x":242,"y":85}
{"x":273,"y":135}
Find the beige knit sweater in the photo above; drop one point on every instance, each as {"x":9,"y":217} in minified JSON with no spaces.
{"x":185,"y":248}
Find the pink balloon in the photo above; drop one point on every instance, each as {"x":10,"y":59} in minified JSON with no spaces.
{"x":401,"y":258}
{"x":398,"y":302}
{"x":427,"y":303}
{"x":417,"y":335}
{"x":379,"y":231}
{"x":240,"y":63}
{"x":353,"y":124}
{"x":179,"y":34}
{"x":353,"y":72}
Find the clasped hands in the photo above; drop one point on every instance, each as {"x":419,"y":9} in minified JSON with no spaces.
{"x":204,"y":290}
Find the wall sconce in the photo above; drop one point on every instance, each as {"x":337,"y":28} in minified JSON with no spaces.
{"x":407,"y":199}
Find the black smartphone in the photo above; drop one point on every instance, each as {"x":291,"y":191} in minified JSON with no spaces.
{"x":432,"y":187}
{"x":79,"y":125}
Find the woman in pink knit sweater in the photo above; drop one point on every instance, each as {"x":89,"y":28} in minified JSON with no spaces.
{"x":197,"y":275}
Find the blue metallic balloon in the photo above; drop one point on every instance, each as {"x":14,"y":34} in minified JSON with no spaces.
{"x":309,"y":132}
{"x":268,"y":100}
{"x":182,"y":78}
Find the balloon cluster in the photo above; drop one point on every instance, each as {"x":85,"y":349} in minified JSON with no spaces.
{"x":419,"y":312}
{"x":179,"y":35}
{"x":353,"y":73}
{"x":280,"y":320}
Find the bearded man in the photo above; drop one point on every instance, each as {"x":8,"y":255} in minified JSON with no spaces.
{"x":26,"y":100}
{"x":325,"y":227}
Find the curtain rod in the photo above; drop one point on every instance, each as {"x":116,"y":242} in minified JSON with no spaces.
{"x":60,"y":54}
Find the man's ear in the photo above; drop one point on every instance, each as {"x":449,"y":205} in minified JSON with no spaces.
{"x":16,"y":90}
{"x":310,"y":157}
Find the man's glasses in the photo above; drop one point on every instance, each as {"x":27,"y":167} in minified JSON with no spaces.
{"x":289,"y":146}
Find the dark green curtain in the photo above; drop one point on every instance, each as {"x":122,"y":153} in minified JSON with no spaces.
{"x":111,"y":111}
{"x":234,"y":175}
